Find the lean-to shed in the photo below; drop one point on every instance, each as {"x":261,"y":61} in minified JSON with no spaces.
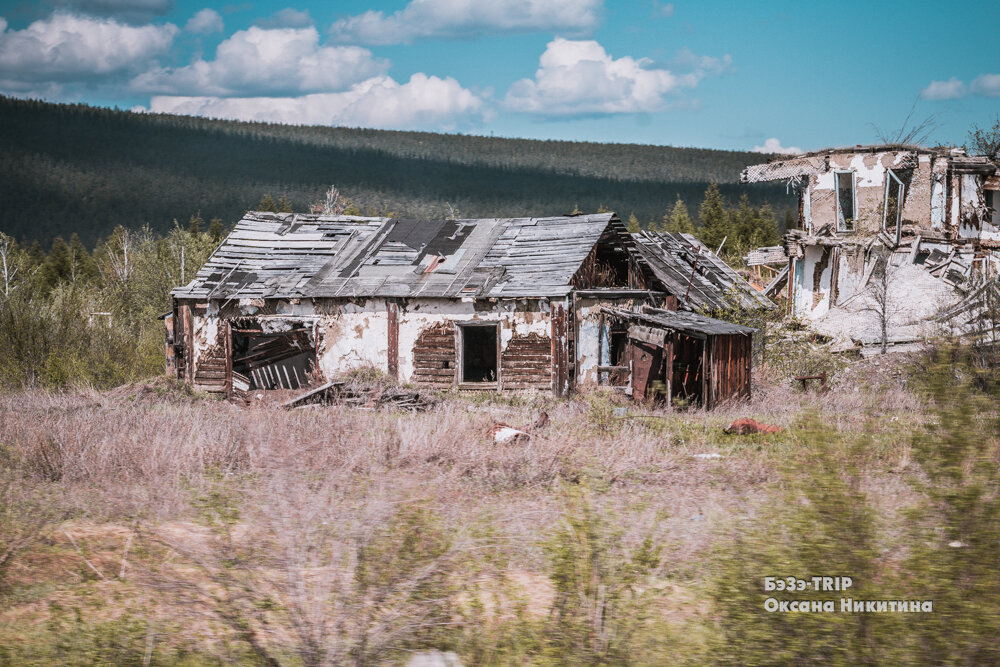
{"x":676,"y":355}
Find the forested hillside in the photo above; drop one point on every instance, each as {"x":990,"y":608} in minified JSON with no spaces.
{"x":68,"y":169}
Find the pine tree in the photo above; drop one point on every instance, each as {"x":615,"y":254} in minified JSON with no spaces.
{"x":196,"y":223}
{"x":284,"y":205}
{"x":743,"y":221}
{"x":789,"y":221}
{"x":633,"y":223}
{"x":267,"y":204}
{"x":678,"y":221}
{"x":767,"y":227}
{"x":715,"y":224}
{"x":82,"y":262}
{"x":215,"y":230}
{"x":58,"y":265}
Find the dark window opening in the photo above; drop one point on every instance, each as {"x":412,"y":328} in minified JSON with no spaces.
{"x":845,"y":200}
{"x":619,"y":343}
{"x":281,"y":360}
{"x":479,"y":353}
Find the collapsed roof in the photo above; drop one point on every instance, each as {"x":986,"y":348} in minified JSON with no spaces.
{"x":276,"y":255}
{"x":690,"y":270}
{"x":794,"y":167}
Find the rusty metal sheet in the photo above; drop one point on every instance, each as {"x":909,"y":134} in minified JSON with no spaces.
{"x":647,"y":375}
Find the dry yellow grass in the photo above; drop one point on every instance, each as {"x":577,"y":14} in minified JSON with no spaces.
{"x":137,"y":467}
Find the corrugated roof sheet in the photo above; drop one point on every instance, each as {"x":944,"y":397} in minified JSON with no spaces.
{"x":293,"y":255}
{"x":695,"y":274}
{"x":684,"y":322}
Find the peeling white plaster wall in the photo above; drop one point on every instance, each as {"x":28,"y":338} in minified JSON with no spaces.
{"x":973,"y":208}
{"x":206,"y":335}
{"x":356,"y":336}
{"x":939,"y":193}
{"x":851,"y":273}
{"x":804,"y":292}
{"x":588,"y":342}
{"x":588,"y":327}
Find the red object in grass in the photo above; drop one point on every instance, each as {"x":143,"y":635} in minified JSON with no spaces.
{"x":746,"y":426}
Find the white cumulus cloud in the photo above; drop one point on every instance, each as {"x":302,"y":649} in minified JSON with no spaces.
{"x":579,"y":77}
{"x":987,"y":85}
{"x":257,"y":62}
{"x":205,"y":22}
{"x":952,"y":89}
{"x":467,"y":18}
{"x":773,"y":145}
{"x":425,"y":102}
{"x":64,"y":47}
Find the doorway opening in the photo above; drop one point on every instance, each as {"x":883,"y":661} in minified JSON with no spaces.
{"x":479,"y":353}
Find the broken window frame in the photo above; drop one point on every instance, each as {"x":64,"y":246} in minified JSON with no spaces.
{"x":845,"y":224}
{"x":890,"y":177}
{"x":992,"y":198}
{"x":460,"y":331}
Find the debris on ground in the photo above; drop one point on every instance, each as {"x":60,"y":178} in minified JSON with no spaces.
{"x":503,"y":434}
{"x":747,"y":426}
{"x":713,"y":455}
{"x":370,"y":396}
{"x":155,"y":390}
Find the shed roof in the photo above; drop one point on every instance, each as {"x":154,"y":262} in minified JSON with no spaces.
{"x":691,"y":324}
{"x":691,"y":271}
{"x":293,"y":255}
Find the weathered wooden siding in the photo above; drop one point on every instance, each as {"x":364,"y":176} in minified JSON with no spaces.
{"x":210,"y":374}
{"x":434,"y":356}
{"x":730,"y":368}
{"x":526,"y":363}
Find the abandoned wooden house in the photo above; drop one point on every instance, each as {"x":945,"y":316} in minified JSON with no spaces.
{"x":928,"y":216}
{"x":489,"y":304}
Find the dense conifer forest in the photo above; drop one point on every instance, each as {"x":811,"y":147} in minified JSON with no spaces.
{"x":68,"y":169}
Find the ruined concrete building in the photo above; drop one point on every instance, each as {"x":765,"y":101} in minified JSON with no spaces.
{"x":892,"y":233}
{"x":497,"y":304}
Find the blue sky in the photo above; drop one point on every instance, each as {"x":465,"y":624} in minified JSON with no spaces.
{"x":728,"y":75}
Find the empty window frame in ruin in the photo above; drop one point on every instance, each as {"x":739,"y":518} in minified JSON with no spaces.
{"x":892,"y":212}
{"x":993,"y":206}
{"x":272,"y":359}
{"x":615,"y":369}
{"x":846,"y":200}
{"x":478,"y":345}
